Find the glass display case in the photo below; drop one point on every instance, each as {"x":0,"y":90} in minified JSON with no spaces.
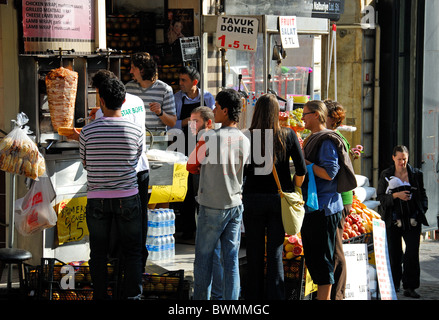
{"x":289,"y":73}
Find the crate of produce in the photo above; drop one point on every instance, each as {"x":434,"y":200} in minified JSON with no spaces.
{"x":58,"y":280}
{"x":168,"y":285}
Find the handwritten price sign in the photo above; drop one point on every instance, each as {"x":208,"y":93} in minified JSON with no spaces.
{"x":288,"y":32}
{"x":237,"y":33}
{"x":72,"y":225}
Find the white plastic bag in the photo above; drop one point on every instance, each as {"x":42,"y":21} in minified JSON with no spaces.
{"x":34,"y":212}
{"x":19,"y":154}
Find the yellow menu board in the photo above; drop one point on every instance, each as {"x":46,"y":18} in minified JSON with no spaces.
{"x":172,"y":193}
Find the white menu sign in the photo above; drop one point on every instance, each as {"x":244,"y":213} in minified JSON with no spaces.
{"x":357,"y":278}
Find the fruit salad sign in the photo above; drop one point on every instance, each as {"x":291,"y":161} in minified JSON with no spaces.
{"x":72,"y":225}
{"x":384,"y":273}
{"x":288,"y":32}
{"x":237,"y":33}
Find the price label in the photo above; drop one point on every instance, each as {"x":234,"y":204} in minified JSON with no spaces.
{"x":288,"y":32}
{"x":237,"y":33}
{"x":72,"y":225}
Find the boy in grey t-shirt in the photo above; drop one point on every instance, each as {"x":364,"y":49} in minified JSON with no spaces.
{"x":219,"y":158}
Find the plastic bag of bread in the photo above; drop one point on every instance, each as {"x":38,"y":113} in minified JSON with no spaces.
{"x":34,"y":212}
{"x":61,"y":86}
{"x":19,"y":154}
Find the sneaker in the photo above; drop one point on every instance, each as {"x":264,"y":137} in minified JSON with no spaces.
{"x":411,"y":293}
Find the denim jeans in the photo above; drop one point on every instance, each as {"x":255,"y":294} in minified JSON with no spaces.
{"x":214,"y":225}
{"x":263,"y":217}
{"x":128,"y":220}
{"x":217,"y":274}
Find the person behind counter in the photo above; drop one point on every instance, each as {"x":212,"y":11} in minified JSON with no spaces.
{"x":110,"y":148}
{"x":157,"y":96}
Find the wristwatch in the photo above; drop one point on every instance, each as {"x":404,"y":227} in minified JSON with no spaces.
{"x":161,"y":112}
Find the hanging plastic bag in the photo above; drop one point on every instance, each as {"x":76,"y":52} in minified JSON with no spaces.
{"x":19,"y":154}
{"x":34,"y":212}
{"x":312,"y":202}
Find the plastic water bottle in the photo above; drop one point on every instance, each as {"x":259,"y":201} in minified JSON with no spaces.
{"x":155,"y":223}
{"x":165,"y":222}
{"x":161,"y":228}
{"x":163,"y":246}
{"x":171,"y":222}
{"x":171,"y":247}
{"x":154,"y":248}
{"x":167,"y":247}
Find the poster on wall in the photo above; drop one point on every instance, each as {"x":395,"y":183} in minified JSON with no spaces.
{"x":54,"y":24}
{"x":180,"y":24}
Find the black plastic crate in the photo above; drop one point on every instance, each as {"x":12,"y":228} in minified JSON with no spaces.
{"x":168,"y":285}
{"x":366,"y":238}
{"x":51,"y":276}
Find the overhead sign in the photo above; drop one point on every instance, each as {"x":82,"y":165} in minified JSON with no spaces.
{"x":50,"y":24}
{"x":329,"y":9}
{"x":384,"y":273}
{"x":237,"y":33}
{"x":288,"y":32}
{"x":357,"y":287}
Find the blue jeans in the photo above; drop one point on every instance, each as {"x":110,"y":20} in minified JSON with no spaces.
{"x":263,"y":217}
{"x":214,"y":225}
{"x":126,"y":213}
{"x":217,"y":274}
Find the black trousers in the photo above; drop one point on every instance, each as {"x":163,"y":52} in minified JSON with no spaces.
{"x":405,"y":266}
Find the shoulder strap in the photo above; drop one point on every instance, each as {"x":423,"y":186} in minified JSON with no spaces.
{"x":276,"y":178}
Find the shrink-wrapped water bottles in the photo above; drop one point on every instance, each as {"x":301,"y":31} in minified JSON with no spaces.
{"x":161,"y":228}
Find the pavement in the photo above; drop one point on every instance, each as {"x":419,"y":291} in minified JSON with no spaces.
{"x":185,"y":253}
{"x":429,"y":262}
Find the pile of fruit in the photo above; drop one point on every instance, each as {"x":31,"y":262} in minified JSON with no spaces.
{"x":292,"y":246}
{"x":359,"y":220}
{"x":161,"y":283}
{"x":293,"y":120}
{"x":162,"y":286}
